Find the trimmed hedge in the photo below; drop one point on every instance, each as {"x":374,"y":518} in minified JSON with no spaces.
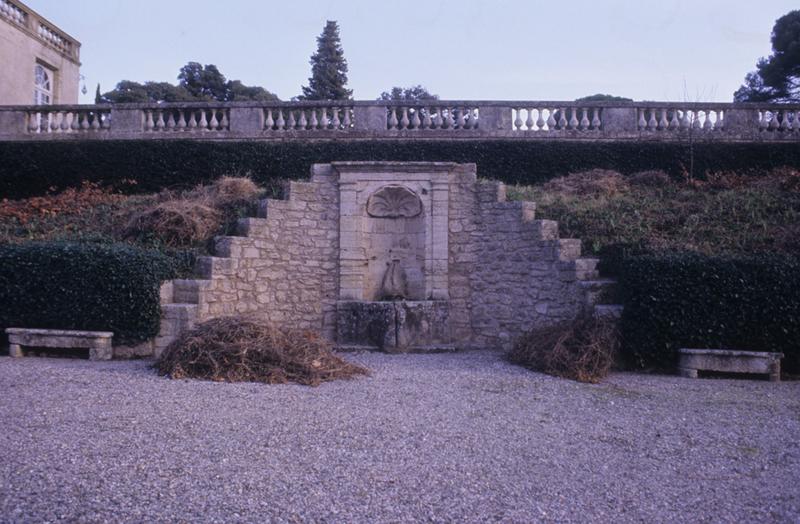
{"x":102,"y":287}
{"x":690,"y":300}
{"x":33,"y":168}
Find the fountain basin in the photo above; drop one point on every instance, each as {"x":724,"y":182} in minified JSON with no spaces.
{"x":401,"y":326}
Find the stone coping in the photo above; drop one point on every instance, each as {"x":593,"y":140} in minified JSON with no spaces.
{"x":58,"y":332}
{"x":730,"y":353}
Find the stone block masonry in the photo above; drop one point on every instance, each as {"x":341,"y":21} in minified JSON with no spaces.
{"x":486,"y":267}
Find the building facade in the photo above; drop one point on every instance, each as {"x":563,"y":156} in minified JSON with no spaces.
{"x":41,"y":63}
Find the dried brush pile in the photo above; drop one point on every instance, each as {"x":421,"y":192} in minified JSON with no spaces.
{"x":194,"y":216}
{"x":237,"y":349}
{"x":593,"y":182}
{"x":582,"y":349}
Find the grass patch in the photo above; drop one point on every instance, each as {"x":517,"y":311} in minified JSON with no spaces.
{"x":728,"y":213}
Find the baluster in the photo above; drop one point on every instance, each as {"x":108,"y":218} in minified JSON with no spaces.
{"x":181,"y":125}
{"x":596,"y":120}
{"x":170,"y":114}
{"x":719,"y":123}
{"x":223,"y":121}
{"x":686,"y":123}
{"x":346,"y":122}
{"x":584,"y":119}
{"x":773,"y":122}
{"x":191,"y":122}
{"x":336,"y":121}
{"x":105,"y":121}
{"x":75,"y":124}
{"x":54,"y":127}
{"x":292,"y":122}
{"x":303,"y":122}
{"x":551,"y":119}
{"x":642,"y":122}
{"x":696,"y":120}
{"x":562,"y":119}
{"x":85,"y":122}
{"x":518,"y":120}
{"x":269,"y":123}
{"x":313,"y":122}
{"x":448,"y":121}
{"x":784,"y":120}
{"x":404,"y":121}
{"x":160,"y":122}
{"x":281,"y":123}
{"x":65,"y":116}
{"x":663,"y":123}
{"x":539,"y":120}
{"x":426,"y":118}
{"x":674,"y":123}
{"x":415,"y":118}
{"x":652,"y":124}
{"x":33,"y":121}
{"x":325,"y":122}
{"x":573,"y":118}
{"x":148,"y":120}
{"x":392,"y":118}
{"x":529,"y":120}
{"x":203,"y":124}
{"x":213,"y":124}
{"x":95,"y":121}
{"x":707,"y":125}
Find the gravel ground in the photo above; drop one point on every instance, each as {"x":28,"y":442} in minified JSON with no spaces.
{"x":450,"y":437}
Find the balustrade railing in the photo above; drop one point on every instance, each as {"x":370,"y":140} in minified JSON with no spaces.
{"x":565,"y":118}
{"x":13,"y":12}
{"x":56,"y":121}
{"x":181,"y":120}
{"x":433,"y":119}
{"x":440,"y":116}
{"x":308,"y":118}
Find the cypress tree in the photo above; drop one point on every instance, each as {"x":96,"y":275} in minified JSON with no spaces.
{"x":328,"y":68}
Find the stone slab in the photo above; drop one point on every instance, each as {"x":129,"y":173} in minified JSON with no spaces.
{"x":729,"y":361}
{"x":97,"y":342}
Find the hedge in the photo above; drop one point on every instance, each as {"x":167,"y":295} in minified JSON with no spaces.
{"x":103,"y":287}
{"x":690,"y":300}
{"x":33,"y":168}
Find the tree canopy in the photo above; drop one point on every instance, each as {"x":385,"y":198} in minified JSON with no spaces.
{"x":599,"y":97}
{"x":777,"y":77}
{"x":328,"y":79}
{"x":195,"y":83}
{"x":416,"y":92}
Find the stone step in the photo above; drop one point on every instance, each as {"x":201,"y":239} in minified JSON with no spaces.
{"x":254,"y":228}
{"x":235,"y":247}
{"x":579,"y":269}
{"x":608,"y":311}
{"x":544,"y":229}
{"x":215,"y":267}
{"x":595,"y":289}
{"x":188,"y":291}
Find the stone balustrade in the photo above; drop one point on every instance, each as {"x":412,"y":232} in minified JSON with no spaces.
{"x":525,"y":120}
{"x":40,"y":28}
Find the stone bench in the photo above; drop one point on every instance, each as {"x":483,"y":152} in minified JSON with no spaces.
{"x":729,"y":361}
{"x":97,"y":342}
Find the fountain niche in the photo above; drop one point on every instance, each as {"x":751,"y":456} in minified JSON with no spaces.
{"x":393,"y":258}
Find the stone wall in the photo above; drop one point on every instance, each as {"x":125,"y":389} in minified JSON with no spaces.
{"x":489,"y":270}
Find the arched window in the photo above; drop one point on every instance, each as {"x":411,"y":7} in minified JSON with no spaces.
{"x":42,"y":85}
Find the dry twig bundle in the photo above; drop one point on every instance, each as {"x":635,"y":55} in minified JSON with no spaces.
{"x":582,"y":349}
{"x":236,"y":349}
{"x":175,"y":222}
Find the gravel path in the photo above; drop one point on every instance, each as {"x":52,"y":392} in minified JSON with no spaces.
{"x":450,"y":437}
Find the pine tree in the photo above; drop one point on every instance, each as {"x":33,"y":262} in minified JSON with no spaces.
{"x":98,"y":98}
{"x":328,"y":68}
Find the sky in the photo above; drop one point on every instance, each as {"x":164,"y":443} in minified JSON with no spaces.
{"x":677,"y":50}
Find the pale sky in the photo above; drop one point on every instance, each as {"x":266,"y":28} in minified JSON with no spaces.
{"x":695,"y":50}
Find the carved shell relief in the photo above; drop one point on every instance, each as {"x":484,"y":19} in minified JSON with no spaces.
{"x":394,"y":202}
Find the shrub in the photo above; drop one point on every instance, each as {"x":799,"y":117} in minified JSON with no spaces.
{"x":109,"y":287}
{"x":147,"y":166}
{"x":690,"y":300}
{"x":235,"y":349}
{"x":582,"y":349}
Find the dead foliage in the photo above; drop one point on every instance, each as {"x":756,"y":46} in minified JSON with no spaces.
{"x":236,"y":349}
{"x":654,"y":178}
{"x":582,"y":349}
{"x":593,"y":182}
{"x":177,"y":222}
{"x":71,"y":201}
{"x":229,"y":191}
